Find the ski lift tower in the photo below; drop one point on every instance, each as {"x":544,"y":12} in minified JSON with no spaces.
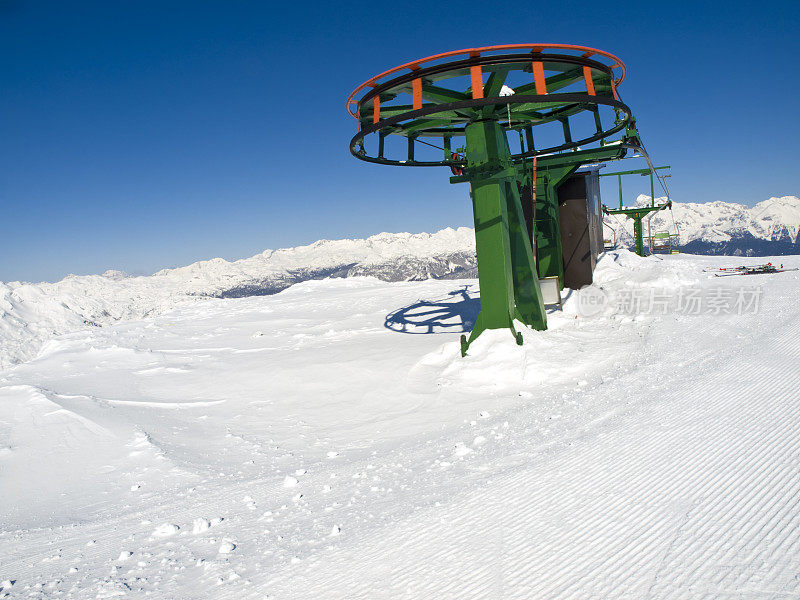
{"x":515,"y":122}
{"x":638,"y":213}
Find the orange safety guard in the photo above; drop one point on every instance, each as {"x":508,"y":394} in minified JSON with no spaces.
{"x":538,"y":78}
{"x":376,"y":113}
{"x":476,"y":74}
{"x":587,"y":75}
{"x":614,"y":90}
{"x":416,"y":87}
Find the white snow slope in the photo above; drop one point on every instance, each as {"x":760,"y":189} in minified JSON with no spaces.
{"x":302,"y":446}
{"x":31,"y":314}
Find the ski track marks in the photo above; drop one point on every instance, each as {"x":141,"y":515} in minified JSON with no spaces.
{"x":661,"y":459}
{"x":703,"y":506}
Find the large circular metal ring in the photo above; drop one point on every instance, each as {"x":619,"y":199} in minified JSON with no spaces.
{"x":436,"y":98}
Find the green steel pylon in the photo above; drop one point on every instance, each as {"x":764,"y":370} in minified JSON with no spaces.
{"x":428,"y":102}
{"x":506,"y":271}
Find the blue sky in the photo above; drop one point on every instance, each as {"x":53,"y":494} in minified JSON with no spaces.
{"x":139,"y":135}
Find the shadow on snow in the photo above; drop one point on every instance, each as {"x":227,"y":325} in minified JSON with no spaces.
{"x":455,"y":313}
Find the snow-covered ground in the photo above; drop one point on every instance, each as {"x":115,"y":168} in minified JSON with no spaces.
{"x":32,"y":313}
{"x":330,"y":442}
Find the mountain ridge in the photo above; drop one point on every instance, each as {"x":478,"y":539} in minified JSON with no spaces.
{"x":32,"y":314}
{"x":770,"y":228}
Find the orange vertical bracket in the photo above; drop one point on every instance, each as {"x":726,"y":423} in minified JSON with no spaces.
{"x":416,"y":87}
{"x":614,"y":89}
{"x":587,"y":76}
{"x":476,"y":73}
{"x":376,"y":109}
{"x":538,"y":78}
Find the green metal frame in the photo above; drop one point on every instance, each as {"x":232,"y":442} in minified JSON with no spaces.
{"x":637,"y":213}
{"x":506,"y":270}
{"x":440,"y":114}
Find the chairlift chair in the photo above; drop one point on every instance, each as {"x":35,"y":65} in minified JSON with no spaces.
{"x":661,"y":242}
{"x":609,"y":237}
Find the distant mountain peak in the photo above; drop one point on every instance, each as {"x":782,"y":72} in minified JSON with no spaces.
{"x":773,"y":220}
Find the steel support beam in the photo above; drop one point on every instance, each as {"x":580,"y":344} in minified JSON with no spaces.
{"x":506,"y":273}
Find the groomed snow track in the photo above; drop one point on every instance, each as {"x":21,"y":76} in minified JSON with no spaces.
{"x":687,"y":488}
{"x":609,"y":457}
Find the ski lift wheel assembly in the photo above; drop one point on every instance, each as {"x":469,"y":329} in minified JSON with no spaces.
{"x":513,"y":121}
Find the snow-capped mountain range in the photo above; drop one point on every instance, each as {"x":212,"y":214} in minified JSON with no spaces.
{"x":32,"y":314}
{"x":770,"y":228}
